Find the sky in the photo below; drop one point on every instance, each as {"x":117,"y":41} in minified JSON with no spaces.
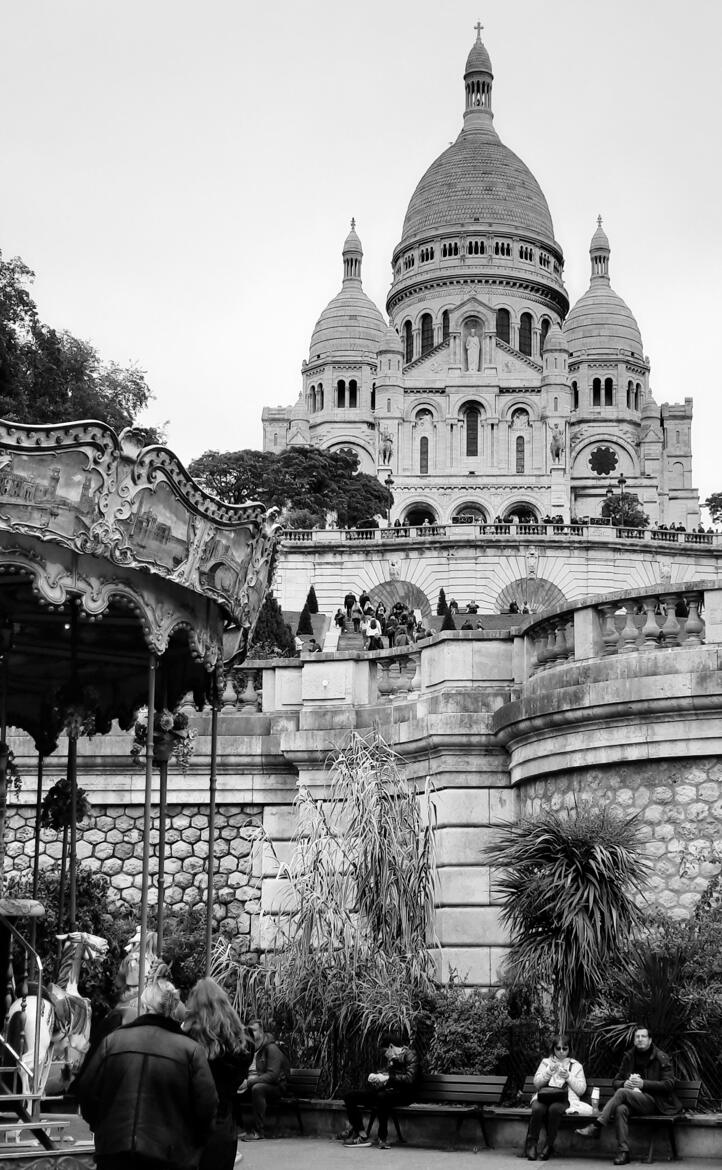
{"x":181,"y":175}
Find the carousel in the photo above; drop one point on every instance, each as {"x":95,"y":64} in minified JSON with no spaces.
{"x":124,"y":588}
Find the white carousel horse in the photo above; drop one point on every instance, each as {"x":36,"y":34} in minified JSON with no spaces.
{"x":126,"y":1009}
{"x":64,"y":1016}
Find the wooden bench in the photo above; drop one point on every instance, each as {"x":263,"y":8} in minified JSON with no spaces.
{"x":457,"y":1095}
{"x":302,"y":1086}
{"x":686,"y":1091}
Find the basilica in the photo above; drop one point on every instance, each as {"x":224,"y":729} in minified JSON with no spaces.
{"x":486,"y":398}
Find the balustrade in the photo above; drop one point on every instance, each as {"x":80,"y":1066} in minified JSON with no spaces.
{"x":598,"y":531}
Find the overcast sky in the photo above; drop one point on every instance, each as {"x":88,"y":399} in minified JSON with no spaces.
{"x":180,"y":174}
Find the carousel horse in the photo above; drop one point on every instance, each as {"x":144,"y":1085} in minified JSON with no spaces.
{"x":64,"y":1017}
{"x":126,"y":1008}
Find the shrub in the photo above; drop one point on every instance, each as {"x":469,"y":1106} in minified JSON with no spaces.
{"x":305,"y":626}
{"x":470,"y":1030}
{"x":272,"y":637}
{"x":312,"y":601}
{"x":448,"y":622}
{"x":442,"y":605}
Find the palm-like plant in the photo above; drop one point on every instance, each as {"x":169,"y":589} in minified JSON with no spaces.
{"x":568,"y":883}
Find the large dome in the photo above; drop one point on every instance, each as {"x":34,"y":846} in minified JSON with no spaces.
{"x":478,"y":179}
{"x":600,"y":321}
{"x":350,"y":324}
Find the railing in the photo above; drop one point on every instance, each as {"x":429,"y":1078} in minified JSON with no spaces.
{"x":653,"y":620}
{"x":595,"y":531}
{"x":34,"y":1096}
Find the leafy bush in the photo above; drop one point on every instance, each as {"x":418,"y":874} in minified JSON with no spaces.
{"x":272,"y":637}
{"x":184,"y":946}
{"x":470,"y":1030}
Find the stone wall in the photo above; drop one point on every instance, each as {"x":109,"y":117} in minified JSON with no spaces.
{"x":680,"y":807}
{"x":110,"y":842}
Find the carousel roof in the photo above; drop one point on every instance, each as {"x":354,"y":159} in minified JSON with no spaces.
{"x":110,"y":554}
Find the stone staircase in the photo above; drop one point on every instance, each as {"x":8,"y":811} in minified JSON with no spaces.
{"x":349,"y":642}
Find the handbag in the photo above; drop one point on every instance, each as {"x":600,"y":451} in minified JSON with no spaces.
{"x":549,"y":1096}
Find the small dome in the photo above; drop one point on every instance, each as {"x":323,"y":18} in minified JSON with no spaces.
{"x":601,"y":322}
{"x":478,"y":60}
{"x":350,"y":325}
{"x":391,"y":342}
{"x":555,"y":341}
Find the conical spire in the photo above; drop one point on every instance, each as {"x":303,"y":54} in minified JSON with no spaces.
{"x":478,"y":77}
{"x":599,"y":251}
{"x":352,"y":254}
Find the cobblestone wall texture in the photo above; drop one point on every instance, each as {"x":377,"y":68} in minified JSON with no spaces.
{"x":680,"y":807}
{"x":110,"y":841}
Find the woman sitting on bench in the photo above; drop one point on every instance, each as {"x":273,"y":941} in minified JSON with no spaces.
{"x":559,"y":1082}
{"x":392,"y":1086}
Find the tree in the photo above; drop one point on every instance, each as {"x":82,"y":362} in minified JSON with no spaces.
{"x":312,"y":601}
{"x":272,"y":637}
{"x":324,"y":480}
{"x":305,"y":626}
{"x":625,"y":511}
{"x":47,"y":376}
{"x":714,"y":504}
{"x":567,"y":887}
{"x":442,"y":605}
{"x":448,"y":622}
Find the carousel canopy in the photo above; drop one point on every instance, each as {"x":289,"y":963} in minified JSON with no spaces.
{"x":110,"y":552}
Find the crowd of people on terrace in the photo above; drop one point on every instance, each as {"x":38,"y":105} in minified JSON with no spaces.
{"x":380,"y":628}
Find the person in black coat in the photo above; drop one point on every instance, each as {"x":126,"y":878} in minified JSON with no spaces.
{"x":147,"y":1092}
{"x":644,"y":1084}
{"x":211,"y":1020}
{"x":392,"y":1085}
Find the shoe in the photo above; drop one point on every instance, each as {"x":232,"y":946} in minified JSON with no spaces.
{"x":622,"y":1158}
{"x":531,"y":1151}
{"x":591,"y":1131}
{"x":345,"y":1134}
{"x":252,"y":1137}
{"x":382,"y":1145}
{"x":358,"y":1141}
{"x":546,"y":1153}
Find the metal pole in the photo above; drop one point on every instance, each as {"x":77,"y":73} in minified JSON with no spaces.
{"x":161,"y":850}
{"x":211,"y":831}
{"x":36,"y":855}
{"x":73,"y":778}
{"x":152,"y":665}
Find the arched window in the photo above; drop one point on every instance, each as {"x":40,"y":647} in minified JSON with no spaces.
{"x":545,"y":327}
{"x":353,"y":394}
{"x":427,"y":333}
{"x":340,"y":394}
{"x":445,"y":325}
{"x":319,"y":397}
{"x":424,"y":413}
{"x":312,"y":399}
{"x":575,"y":396}
{"x":424,"y":456}
{"x":608,"y":392}
{"x":408,"y":342}
{"x":373,"y":396}
{"x":472,"y":431}
{"x":519,"y":455}
{"x":597,"y":392}
{"x":275,"y":438}
{"x":630,"y":395}
{"x":525,"y":334}
{"x":503,"y":325}
{"x":638,"y":396}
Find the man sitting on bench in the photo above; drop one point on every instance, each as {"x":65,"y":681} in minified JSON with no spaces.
{"x":644,"y":1084}
{"x":392,"y":1086}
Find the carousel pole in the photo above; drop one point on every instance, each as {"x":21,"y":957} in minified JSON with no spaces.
{"x":163,"y":802}
{"x":212,"y":826}
{"x":73,"y":770}
{"x":36,"y":853}
{"x":152,"y":666}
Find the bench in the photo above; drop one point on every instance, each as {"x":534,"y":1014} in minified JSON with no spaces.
{"x":302,"y":1085}
{"x":457,"y":1095}
{"x":687,"y":1092}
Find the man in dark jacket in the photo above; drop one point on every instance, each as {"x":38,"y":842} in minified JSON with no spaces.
{"x":268,"y":1080}
{"x":393,"y":1085}
{"x":147,"y":1092}
{"x":644,"y":1084}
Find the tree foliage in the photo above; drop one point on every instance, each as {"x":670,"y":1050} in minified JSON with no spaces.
{"x":442,"y":605}
{"x":305,"y":625}
{"x":272,"y":636}
{"x":567,"y":887}
{"x":714,"y":504}
{"x":448,"y":622}
{"x":50,"y":376}
{"x":625,"y":511}
{"x":312,"y":601}
{"x":323,"y":481}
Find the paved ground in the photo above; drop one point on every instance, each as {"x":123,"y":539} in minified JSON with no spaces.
{"x":316,"y":1154}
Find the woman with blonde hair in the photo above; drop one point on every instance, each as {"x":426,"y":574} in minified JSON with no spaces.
{"x":212,"y":1021}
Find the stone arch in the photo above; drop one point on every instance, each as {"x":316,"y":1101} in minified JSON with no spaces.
{"x":389,"y":592}
{"x":536,"y":593}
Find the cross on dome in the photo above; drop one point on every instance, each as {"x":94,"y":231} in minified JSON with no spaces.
{"x":478,"y":26}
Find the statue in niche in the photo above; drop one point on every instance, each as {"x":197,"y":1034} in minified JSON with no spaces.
{"x":556,"y":446}
{"x":387,"y":446}
{"x":473,"y":351}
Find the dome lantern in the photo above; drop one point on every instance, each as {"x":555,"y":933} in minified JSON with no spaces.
{"x":478,"y":79}
{"x":352,"y":256}
{"x":599,"y":251}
